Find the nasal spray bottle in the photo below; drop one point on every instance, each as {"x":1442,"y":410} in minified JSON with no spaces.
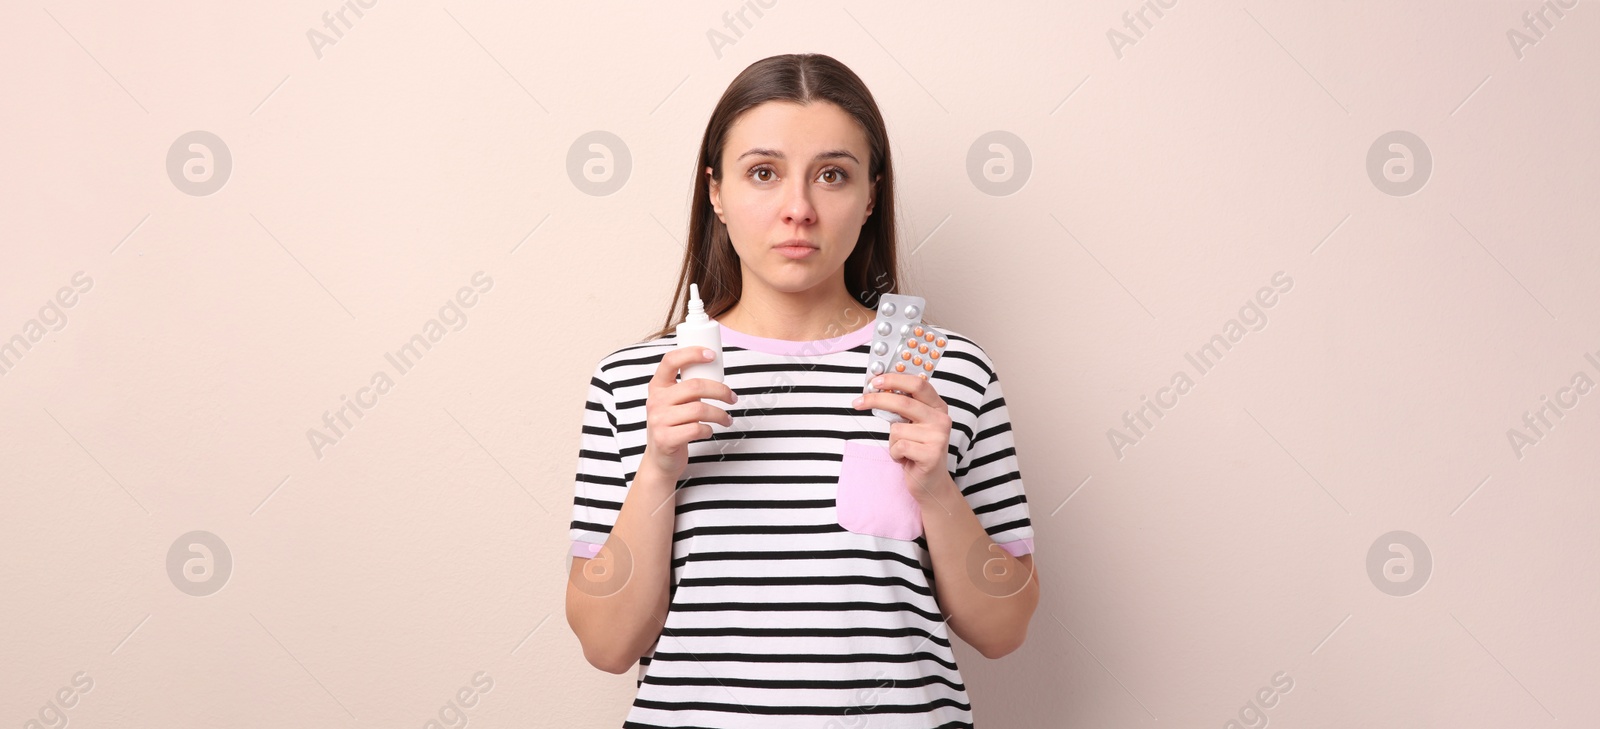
{"x":699,"y":330}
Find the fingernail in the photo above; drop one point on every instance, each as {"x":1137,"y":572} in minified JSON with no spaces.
{"x":857,"y":403}
{"x":877,"y":382}
{"x":710,"y":354}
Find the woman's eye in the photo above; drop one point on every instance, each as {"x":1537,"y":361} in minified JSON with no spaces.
{"x":839,"y":175}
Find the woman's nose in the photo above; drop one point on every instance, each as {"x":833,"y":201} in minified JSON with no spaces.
{"x":797,"y":208}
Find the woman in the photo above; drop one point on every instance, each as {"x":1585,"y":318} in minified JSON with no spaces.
{"x":764,"y":561}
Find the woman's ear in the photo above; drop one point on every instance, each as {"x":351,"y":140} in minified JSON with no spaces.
{"x":872,"y":198}
{"x":715,"y":189}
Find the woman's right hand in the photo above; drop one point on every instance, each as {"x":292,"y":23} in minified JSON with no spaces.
{"x":674,"y":411}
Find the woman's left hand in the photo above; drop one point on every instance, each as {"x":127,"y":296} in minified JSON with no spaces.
{"x":922,"y":444}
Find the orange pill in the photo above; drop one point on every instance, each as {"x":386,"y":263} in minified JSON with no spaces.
{"x":916,"y":360}
{"x":923,"y":376}
{"x":928,"y":336}
{"x":941,"y":342}
{"x":911,"y":344}
{"x":905,"y":355}
{"x":928,"y":366}
{"x":923,"y":349}
{"x":917,"y":331}
{"x":899,"y":367}
{"x":934,"y":354}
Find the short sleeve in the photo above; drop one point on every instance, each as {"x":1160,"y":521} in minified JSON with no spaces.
{"x":989,"y":476}
{"x":601,"y":483}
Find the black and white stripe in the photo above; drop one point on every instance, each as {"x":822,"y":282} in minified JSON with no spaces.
{"x":779,"y":616}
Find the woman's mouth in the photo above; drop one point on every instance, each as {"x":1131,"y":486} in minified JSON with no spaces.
{"x":796,"y":252}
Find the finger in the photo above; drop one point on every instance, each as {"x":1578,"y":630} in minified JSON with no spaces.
{"x":712,"y":414}
{"x":911,"y":448}
{"x":911,"y":433}
{"x":696,"y":411}
{"x":687,"y":432}
{"x":667,"y":372}
{"x":697,"y":388}
{"x":914,"y":386}
{"x":894,"y":402}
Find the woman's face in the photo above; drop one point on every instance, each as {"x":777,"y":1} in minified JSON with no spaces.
{"x":794,"y":172}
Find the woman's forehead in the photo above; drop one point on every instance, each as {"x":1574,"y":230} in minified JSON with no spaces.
{"x":789,"y":131}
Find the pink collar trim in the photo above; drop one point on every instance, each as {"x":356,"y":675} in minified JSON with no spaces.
{"x":793,"y":348}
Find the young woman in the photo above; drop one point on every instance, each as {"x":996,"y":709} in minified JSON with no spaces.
{"x":771,"y":553}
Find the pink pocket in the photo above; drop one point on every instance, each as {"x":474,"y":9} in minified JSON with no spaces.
{"x":872,"y":497}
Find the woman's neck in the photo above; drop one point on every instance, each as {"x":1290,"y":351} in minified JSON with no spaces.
{"x":795,"y":321}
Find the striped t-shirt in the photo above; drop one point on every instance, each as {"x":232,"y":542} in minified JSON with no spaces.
{"x":779,"y":616}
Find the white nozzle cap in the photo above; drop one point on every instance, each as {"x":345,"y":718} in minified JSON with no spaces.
{"x":697,"y":308}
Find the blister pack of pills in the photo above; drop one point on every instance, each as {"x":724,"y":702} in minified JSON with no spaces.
{"x":901,"y":344}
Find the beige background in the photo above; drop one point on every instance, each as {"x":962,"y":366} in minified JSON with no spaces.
{"x":371,"y":585}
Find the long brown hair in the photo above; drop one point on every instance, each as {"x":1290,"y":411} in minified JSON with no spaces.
{"x":709,"y":259}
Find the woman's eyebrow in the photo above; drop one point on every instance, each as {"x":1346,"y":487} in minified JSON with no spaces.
{"x":775,"y":154}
